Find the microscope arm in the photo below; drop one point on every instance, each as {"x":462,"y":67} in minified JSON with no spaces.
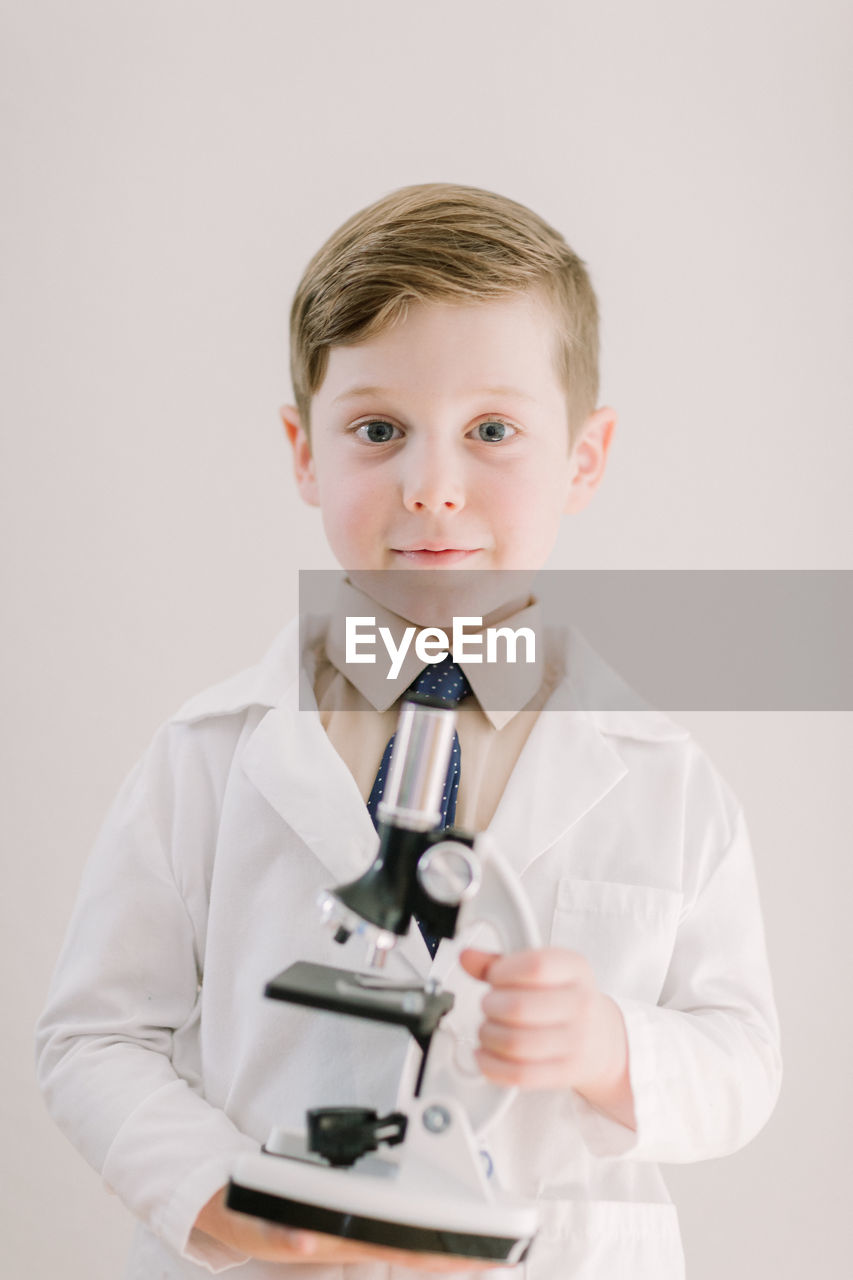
{"x":501,"y":904}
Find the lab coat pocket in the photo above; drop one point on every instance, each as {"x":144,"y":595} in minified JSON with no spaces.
{"x":625,"y":931}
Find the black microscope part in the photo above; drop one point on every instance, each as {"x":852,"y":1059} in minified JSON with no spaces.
{"x":351,"y":1226}
{"x":321,"y":986}
{"x":342,"y":1135}
{"x":389,"y":895}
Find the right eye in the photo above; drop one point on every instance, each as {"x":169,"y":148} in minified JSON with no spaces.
{"x":377,"y":431}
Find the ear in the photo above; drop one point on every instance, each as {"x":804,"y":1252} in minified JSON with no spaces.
{"x":303,"y":462}
{"x":589,"y":458}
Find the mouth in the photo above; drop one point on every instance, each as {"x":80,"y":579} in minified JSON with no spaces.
{"x":434,"y":554}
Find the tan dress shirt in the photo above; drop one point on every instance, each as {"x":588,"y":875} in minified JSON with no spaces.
{"x":359,"y":706}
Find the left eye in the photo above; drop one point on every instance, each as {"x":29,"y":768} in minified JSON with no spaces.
{"x":494,"y":430}
{"x":377,"y":432}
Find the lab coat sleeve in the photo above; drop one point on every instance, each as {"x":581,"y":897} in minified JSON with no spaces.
{"x":704,"y":1063}
{"x":125,"y":992}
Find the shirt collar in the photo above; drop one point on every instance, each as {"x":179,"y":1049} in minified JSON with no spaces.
{"x":502,"y":688}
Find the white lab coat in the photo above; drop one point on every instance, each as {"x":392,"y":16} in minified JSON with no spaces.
{"x":162,"y":1062}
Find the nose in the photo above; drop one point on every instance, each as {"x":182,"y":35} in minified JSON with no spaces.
{"x":432,"y":480}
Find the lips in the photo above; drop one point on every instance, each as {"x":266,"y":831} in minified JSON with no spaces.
{"x":435,"y":554}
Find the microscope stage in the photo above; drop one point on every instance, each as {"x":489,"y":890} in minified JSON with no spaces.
{"x":362,"y":995}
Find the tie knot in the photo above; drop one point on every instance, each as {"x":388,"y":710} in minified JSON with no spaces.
{"x":443,"y":680}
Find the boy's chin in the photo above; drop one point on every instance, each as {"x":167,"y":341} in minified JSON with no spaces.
{"x":434,"y":597}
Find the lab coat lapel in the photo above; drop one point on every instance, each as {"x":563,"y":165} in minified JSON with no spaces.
{"x":532,"y":814}
{"x":294,"y":766}
{"x":540,"y":803}
{"x":292,"y":763}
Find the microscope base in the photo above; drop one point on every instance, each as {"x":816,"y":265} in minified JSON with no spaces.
{"x":409,"y":1206}
{"x":379,"y":1231}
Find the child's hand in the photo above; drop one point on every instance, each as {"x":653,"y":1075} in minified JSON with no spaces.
{"x":265,"y":1240}
{"x":548,"y":1026}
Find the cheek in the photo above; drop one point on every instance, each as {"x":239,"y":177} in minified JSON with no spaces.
{"x":353,"y":507}
{"x":530,"y":502}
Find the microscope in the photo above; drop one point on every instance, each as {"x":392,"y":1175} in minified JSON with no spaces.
{"x":432,"y":1188}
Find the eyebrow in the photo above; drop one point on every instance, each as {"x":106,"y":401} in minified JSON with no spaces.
{"x":357,"y":392}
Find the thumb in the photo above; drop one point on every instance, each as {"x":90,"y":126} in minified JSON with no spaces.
{"x":477,"y":963}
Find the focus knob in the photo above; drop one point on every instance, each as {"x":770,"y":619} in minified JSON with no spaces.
{"x":449,"y":872}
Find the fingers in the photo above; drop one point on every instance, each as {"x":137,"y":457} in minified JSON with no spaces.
{"x":255,"y":1236}
{"x":528,"y":1044}
{"x":535,"y":967}
{"x":341,"y":1249}
{"x":268,"y":1240}
{"x":477,"y":963}
{"x":301,"y":1243}
{"x":527,"y":1007}
{"x":525,"y":1075}
{"x":540,"y":1015}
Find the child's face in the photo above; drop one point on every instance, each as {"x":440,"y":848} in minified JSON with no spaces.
{"x":443,"y":442}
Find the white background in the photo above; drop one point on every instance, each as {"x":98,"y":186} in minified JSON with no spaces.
{"x":169,"y":166}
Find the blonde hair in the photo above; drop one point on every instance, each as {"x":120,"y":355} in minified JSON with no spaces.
{"x":440,"y":242}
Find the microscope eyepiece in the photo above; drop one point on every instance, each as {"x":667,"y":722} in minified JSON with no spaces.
{"x":418,"y":769}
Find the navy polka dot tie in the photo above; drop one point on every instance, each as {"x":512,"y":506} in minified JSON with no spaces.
{"x":447,"y":681}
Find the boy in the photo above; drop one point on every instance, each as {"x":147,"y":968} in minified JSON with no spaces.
{"x":444,"y":361}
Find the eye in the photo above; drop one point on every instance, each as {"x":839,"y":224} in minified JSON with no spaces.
{"x":495,"y":429}
{"x":377,"y":431}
